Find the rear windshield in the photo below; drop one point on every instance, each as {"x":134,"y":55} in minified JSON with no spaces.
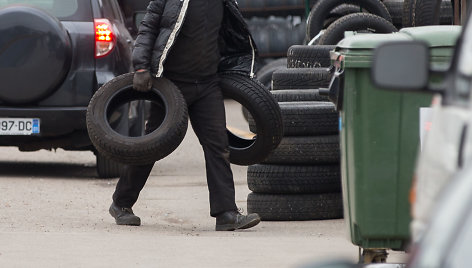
{"x":65,"y":10}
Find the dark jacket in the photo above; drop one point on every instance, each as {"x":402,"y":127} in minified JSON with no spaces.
{"x":162,"y":23}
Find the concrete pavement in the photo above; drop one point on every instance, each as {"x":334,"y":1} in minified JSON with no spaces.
{"x":54,"y":213}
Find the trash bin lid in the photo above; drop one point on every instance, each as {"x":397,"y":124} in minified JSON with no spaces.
{"x":436,"y":36}
{"x":357,"y":49}
{"x":441,"y":38}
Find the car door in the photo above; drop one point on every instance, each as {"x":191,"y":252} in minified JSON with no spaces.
{"x":448,"y":145}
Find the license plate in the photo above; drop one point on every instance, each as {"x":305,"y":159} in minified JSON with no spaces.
{"x":19,"y":126}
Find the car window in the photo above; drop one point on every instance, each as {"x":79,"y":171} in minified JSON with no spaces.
{"x":73,"y":10}
{"x":117,"y":11}
{"x":110,"y":10}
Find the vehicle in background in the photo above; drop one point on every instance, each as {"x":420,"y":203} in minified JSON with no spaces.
{"x":446,"y":241}
{"x":133,"y":12}
{"x":54,"y":54}
{"x":447,"y":145}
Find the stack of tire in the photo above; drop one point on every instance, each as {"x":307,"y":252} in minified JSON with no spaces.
{"x":300,"y":179}
{"x":329,"y":19}
{"x":275,"y":24}
{"x":274,"y":35}
{"x":265,"y":8}
{"x":422,"y":12}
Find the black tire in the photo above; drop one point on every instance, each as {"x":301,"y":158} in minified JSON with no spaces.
{"x":35,"y":55}
{"x":306,"y":151}
{"x":307,"y":118}
{"x":446,"y":13}
{"x":344,"y":9}
{"x":322,"y":9}
{"x":279,"y":37}
{"x":291,"y":95}
{"x":355,"y":22}
{"x":107,"y":168}
{"x":340,"y":11}
{"x":296,"y":207}
{"x":395,"y":8}
{"x":427,"y":12}
{"x":299,"y":56}
{"x":282,"y":179}
{"x":408,"y":14}
{"x":263,"y":108}
{"x":301,"y":78}
{"x":264,"y":75}
{"x":433,"y":12}
{"x":143,"y":149}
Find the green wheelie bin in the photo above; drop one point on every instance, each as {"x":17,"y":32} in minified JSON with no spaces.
{"x":379,"y":136}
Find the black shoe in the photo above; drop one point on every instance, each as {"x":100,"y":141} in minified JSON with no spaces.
{"x":124,"y":216}
{"x":233,"y":220}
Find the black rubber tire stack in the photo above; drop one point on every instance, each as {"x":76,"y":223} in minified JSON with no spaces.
{"x":326,"y":12}
{"x":359,"y":22}
{"x":422,"y":12}
{"x":300,"y":179}
{"x":274,"y":35}
{"x":265,"y":8}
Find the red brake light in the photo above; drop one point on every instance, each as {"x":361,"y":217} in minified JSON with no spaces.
{"x":104,"y":37}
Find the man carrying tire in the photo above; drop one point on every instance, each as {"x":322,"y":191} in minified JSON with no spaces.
{"x":188,"y":41}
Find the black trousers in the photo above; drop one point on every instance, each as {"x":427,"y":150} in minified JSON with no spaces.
{"x":207,"y":116}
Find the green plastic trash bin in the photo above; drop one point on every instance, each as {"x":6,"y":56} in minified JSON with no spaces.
{"x":380,"y":137}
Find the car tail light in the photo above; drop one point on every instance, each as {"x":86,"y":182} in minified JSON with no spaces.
{"x":104,"y":38}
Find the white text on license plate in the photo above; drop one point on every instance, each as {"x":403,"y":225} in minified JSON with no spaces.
{"x":19,"y":126}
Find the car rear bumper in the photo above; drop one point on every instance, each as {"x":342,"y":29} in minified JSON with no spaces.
{"x":54,"y":121}
{"x":60,"y":127}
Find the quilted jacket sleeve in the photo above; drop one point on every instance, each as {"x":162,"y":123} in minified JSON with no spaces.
{"x":148,"y":32}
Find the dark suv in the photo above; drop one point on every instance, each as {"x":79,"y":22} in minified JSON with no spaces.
{"x":54,"y":54}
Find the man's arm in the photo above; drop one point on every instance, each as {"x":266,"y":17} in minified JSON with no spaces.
{"x":148,"y":32}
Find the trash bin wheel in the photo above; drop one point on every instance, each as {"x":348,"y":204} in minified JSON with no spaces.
{"x":373,"y":256}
